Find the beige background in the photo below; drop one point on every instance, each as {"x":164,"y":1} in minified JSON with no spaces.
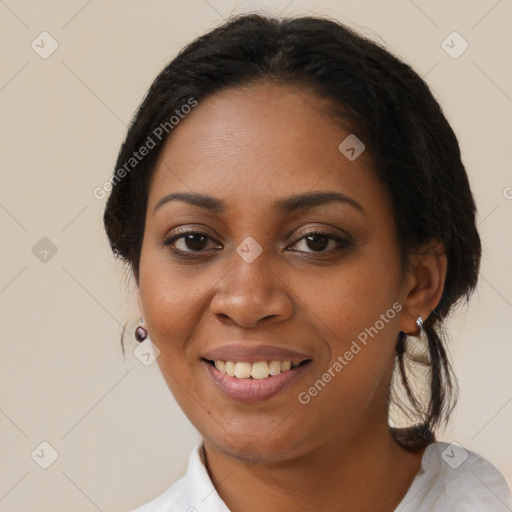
{"x":120,"y":437}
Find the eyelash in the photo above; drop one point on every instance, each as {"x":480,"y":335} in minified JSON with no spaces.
{"x":342,"y":243}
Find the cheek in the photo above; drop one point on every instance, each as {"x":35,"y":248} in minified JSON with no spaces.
{"x":170,"y":298}
{"x":352,"y":382}
{"x":354,"y":298}
{"x":357,"y":312}
{"x":170,"y":304}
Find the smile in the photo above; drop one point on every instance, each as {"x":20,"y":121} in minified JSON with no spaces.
{"x":253,"y":382}
{"x":257,"y":370}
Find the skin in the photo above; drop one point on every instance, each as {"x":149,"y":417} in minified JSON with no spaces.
{"x":250,"y":147}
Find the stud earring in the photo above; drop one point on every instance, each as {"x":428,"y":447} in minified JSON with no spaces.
{"x":140,"y":333}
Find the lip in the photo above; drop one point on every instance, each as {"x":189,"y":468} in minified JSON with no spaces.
{"x":254,"y":390}
{"x":253,"y":354}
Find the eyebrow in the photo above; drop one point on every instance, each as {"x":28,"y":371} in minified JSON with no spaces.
{"x":284,"y":206}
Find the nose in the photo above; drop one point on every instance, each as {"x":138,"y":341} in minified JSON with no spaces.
{"x":252,"y":293}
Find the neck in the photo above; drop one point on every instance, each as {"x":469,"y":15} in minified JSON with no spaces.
{"x":361,"y":473}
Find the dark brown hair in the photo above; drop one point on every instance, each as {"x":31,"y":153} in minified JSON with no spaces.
{"x":415,"y":151}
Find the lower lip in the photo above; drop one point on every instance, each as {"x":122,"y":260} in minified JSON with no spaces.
{"x":254,"y":390}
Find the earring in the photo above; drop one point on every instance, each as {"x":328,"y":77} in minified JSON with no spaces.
{"x":140,"y":333}
{"x":417,"y":345}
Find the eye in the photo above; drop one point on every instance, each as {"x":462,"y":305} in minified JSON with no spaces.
{"x":196,"y":242}
{"x":319,"y":242}
{"x":188,"y":242}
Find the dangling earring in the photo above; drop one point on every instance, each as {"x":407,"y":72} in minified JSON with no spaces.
{"x":417,"y":345}
{"x":140,"y":333}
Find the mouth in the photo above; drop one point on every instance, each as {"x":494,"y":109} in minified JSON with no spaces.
{"x":258,"y":381}
{"x":256,"y":370}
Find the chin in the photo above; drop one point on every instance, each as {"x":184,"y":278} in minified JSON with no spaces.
{"x":253,"y":446}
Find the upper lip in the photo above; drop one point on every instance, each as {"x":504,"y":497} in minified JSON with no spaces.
{"x":253,"y":353}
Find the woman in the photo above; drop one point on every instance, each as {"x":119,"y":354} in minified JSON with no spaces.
{"x":291,"y":201}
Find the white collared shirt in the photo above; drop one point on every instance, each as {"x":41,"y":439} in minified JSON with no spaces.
{"x":450,"y":479}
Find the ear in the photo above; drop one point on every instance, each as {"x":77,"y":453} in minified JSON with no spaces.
{"x":426,"y":275}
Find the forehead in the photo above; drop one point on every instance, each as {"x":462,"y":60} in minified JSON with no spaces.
{"x":260,"y":142}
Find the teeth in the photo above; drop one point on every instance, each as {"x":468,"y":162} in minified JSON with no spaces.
{"x":230,"y":368}
{"x":258,"y":370}
{"x":242,"y":370}
{"x":221,"y":366}
{"x":274,"y":368}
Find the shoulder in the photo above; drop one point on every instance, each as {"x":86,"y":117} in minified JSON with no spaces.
{"x":454,"y":478}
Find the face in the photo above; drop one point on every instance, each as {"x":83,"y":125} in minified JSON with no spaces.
{"x":293,"y":256}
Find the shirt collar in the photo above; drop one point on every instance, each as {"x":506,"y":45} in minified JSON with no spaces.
{"x":201,"y":492}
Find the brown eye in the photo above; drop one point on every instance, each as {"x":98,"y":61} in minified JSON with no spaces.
{"x":190,"y":241}
{"x":195,"y":241}
{"x":319,"y":242}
